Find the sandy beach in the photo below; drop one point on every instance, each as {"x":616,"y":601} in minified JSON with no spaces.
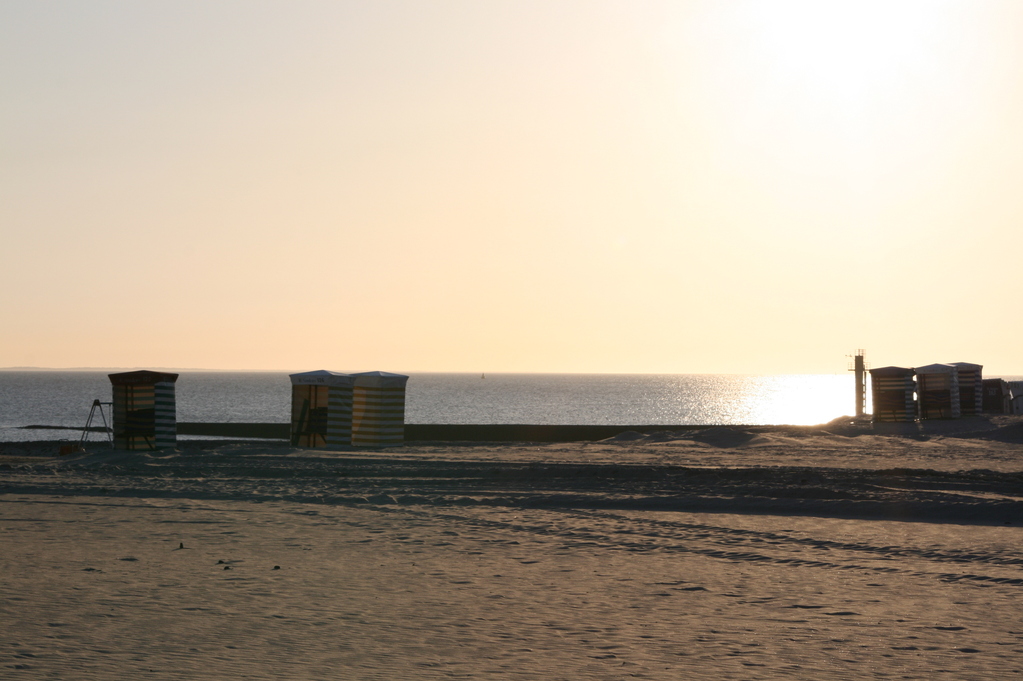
{"x":725,"y":553}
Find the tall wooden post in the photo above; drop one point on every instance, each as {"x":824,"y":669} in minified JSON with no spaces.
{"x":859,"y":366}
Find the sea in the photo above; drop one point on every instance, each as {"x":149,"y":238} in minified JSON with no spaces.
{"x":64,"y":399}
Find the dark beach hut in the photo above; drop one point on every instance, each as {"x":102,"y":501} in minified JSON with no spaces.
{"x":1016,"y":388}
{"x":997,"y":398}
{"x":321,"y":409}
{"x":938,"y":389}
{"x":893,"y":394}
{"x":378,"y":409}
{"x":145,"y":413}
{"x":971,"y":388}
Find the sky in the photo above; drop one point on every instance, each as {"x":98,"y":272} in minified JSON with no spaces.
{"x":524,"y":186}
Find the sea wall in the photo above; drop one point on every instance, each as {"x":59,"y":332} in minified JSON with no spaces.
{"x":443,"y":432}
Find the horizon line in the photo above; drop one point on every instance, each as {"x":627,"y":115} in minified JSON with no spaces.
{"x":495,"y":373}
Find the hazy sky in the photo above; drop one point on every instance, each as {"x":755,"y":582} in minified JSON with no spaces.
{"x":554,"y":186}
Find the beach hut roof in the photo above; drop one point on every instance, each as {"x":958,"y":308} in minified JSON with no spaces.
{"x":937,"y":369}
{"x":967,"y":366}
{"x":891,"y":371}
{"x":382,"y":379}
{"x":143,"y":377}
{"x":321,"y":377}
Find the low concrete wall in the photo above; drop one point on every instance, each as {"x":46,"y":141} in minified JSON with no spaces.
{"x":442,"y":432}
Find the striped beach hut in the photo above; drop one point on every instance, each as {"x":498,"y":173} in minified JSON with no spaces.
{"x":321,"y":409}
{"x":938,"y":388}
{"x":378,"y":409}
{"x":893,"y":393}
{"x":144,"y":410}
{"x":971,"y":388}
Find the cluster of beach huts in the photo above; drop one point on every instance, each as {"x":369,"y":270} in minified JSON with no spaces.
{"x":335,"y":410}
{"x":328,"y":409}
{"x":940,"y":391}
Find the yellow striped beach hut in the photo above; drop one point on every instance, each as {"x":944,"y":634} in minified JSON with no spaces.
{"x":378,"y":409}
{"x":321,"y":409}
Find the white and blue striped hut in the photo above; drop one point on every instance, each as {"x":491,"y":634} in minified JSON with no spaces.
{"x":144,"y":410}
{"x":971,"y":387}
{"x":894,"y":394}
{"x":938,"y":389}
{"x":378,"y":409}
{"x":321,"y":409}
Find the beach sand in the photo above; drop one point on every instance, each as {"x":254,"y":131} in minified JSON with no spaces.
{"x":725,"y":554}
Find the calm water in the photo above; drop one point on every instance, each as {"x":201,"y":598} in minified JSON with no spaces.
{"x":63,"y":399}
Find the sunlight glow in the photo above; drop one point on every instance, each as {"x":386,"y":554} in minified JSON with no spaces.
{"x":847,"y":51}
{"x":847,"y":80}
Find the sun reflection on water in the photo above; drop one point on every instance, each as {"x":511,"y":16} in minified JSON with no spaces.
{"x":63,"y":399}
{"x":629,"y":399}
{"x":795,"y":400}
